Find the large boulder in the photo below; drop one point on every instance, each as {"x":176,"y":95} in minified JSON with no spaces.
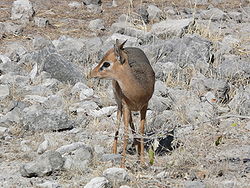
{"x":37,"y":118}
{"x":177,"y":56}
{"x":61,"y":69}
{"x":47,"y":163}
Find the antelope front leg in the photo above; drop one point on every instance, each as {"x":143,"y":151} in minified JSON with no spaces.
{"x":126,"y":113}
{"x":142,"y":126}
{"x":118,"y":122}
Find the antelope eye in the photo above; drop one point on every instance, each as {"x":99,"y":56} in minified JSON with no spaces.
{"x":106,"y":64}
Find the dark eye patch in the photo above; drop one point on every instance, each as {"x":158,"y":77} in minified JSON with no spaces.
{"x":105,"y":65}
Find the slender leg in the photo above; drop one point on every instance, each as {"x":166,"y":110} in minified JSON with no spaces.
{"x":126,"y":113}
{"x":132,"y":128}
{"x":118,"y":122}
{"x":117,"y":94}
{"x":142,"y":126}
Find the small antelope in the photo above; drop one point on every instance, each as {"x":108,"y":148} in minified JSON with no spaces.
{"x":133,"y":82}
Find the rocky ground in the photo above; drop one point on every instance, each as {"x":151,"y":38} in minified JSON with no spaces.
{"x":57,"y":126}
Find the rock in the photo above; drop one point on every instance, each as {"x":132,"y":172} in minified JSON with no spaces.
{"x":194,"y":184}
{"x":228,"y":44}
{"x":159,"y":104}
{"x":96,"y":9}
{"x":74,"y":4}
{"x":116,"y":175}
{"x":214,"y":14}
{"x":218,"y":88}
{"x":240,"y":104}
{"x":99,"y":150}
{"x":46,"y":164}
{"x":154,"y":13}
{"x":4,"y":59}
{"x":79,"y":159}
{"x":162,"y":121}
{"x":98,"y":182}
{"x":84,"y":107}
{"x":43,"y":147}
{"x":142,"y":11}
{"x":4,"y":91}
{"x":190,"y":51}
{"x":201,"y":2}
{"x":228,"y":184}
{"x":131,"y":41}
{"x":233,"y":67}
{"x":12,"y":116}
{"x":3,"y":130}
{"x":41,"y":22}
{"x":247,"y":125}
{"x":126,"y":28}
{"x":170,"y":11}
{"x":65,"y":43}
{"x":97,"y":24}
{"x":10,"y":79}
{"x":37,"y":118}
{"x":61,"y":69}
{"x":48,"y":184}
{"x":54,"y":101}
{"x":35,"y":99}
{"x":236,"y":16}
{"x":169,"y":28}
{"x":16,"y":48}
{"x":166,"y":70}
{"x":93,"y":2}
{"x":22,"y":10}
{"x":25,"y":146}
{"x":114,"y":3}
{"x":160,"y":89}
{"x":125,"y":186}
{"x":115,"y":158}
{"x":10,"y":28}
{"x":33,"y":72}
{"x":105,"y":111}
{"x":123,"y":18}
{"x":162,"y":175}
{"x":85,"y":93}
{"x":78,"y":87}
{"x":71,"y":147}
{"x":14,"y":57}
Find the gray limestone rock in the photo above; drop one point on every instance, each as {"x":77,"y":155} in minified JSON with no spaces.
{"x":37,"y":118}
{"x":170,"y":28}
{"x":98,"y":182}
{"x":97,"y":24}
{"x":4,"y":91}
{"x":154,"y":13}
{"x":46,"y":164}
{"x":116,"y":175}
{"x":22,"y":10}
{"x":61,"y":69}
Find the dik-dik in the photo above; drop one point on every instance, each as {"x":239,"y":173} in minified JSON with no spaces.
{"x":133,"y":81}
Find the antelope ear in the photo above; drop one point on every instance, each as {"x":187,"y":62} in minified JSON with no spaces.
{"x":118,"y":51}
{"x":122,"y":45}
